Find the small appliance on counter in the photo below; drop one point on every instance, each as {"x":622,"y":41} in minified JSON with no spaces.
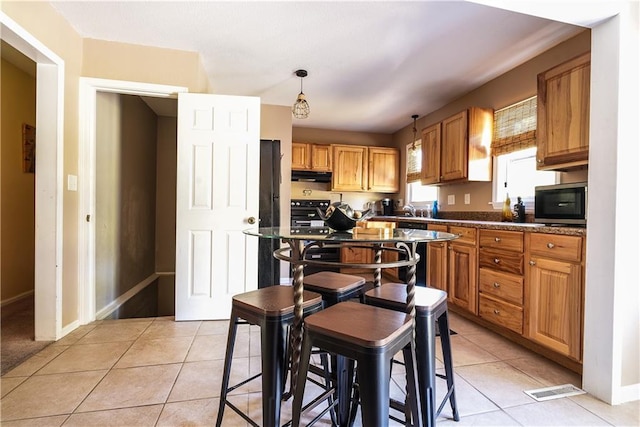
{"x":387,"y":207}
{"x":563,"y":204}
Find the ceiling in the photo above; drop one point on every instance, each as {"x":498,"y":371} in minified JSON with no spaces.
{"x":371,"y":64}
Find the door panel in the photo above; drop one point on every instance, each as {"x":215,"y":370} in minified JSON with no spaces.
{"x":217,"y":191}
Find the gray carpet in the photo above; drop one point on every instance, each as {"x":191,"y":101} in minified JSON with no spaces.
{"x":17,"y":333}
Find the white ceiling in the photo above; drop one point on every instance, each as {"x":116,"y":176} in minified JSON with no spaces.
{"x":371,"y":64}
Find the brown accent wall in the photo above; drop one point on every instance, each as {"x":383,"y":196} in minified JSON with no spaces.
{"x":17,"y":187}
{"x":511,"y":87}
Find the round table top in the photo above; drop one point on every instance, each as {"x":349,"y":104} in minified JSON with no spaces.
{"x":406,"y":235}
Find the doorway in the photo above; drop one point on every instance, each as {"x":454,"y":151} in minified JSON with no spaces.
{"x":157,"y":273}
{"x":48,"y":179}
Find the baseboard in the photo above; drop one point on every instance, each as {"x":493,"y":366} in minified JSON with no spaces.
{"x":16,"y":298}
{"x":115,"y":304}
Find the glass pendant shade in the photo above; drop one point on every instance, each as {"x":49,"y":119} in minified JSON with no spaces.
{"x":300,"y":107}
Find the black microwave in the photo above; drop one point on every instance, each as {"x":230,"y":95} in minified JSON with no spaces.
{"x":561,"y":204}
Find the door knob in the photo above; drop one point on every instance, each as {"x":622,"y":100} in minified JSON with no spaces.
{"x":251,"y":220}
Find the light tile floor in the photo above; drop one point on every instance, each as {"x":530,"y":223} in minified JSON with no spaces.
{"x":157,"y":372}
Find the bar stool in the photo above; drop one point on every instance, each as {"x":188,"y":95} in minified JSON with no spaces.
{"x":431,"y":306}
{"x":370,"y":336}
{"x":271,"y":308}
{"x":335,"y":287}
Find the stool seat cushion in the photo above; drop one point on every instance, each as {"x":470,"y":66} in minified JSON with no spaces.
{"x":274,"y":300}
{"x":360,"y":324}
{"x":427,"y":300}
{"x":330,"y":281}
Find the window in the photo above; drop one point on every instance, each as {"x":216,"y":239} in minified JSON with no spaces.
{"x":518,"y":170}
{"x":514,"y":148}
{"x":417,"y":194}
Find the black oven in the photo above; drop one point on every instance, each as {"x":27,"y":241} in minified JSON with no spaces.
{"x":306,"y":220}
{"x":564,"y":204}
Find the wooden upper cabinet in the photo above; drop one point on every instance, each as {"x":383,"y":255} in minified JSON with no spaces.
{"x":384,"y":169}
{"x":458,"y":148}
{"x":350,"y":168}
{"x":300,"y":156}
{"x":563,"y":115}
{"x":321,"y":158}
{"x":431,"y":141}
{"x":314,"y":157}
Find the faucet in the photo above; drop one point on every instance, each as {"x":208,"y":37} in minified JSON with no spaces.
{"x":410,"y":209}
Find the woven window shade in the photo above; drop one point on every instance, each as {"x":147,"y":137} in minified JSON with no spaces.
{"x":414,"y":162}
{"x":514,"y":127}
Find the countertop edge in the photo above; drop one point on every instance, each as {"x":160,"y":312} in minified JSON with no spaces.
{"x":490,"y":225}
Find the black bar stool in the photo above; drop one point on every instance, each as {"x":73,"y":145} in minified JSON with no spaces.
{"x":431,"y":307}
{"x":270,"y":308}
{"x":370,"y":336}
{"x":335,"y":287}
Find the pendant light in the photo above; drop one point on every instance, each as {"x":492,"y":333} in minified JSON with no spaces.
{"x":415,"y":131}
{"x":300,"y":108}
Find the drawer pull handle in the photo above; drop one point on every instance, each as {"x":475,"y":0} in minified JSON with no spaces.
{"x":497,"y":239}
{"x":496,"y":311}
{"x":550,"y":245}
{"x":532,"y":263}
{"x":496,"y":260}
{"x":496,"y":284}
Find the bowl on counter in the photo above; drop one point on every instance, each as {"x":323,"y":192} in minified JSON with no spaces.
{"x":340,"y":216}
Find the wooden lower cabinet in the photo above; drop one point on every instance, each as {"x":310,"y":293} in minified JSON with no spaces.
{"x":463,"y":289}
{"x":356,"y":255}
{"x":437,"y":265}
{"x":555,"y":305}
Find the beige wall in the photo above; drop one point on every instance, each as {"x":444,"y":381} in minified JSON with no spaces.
{"x":513,"y":86}
{"x":166,"y":195}
{"x":17,"y":192}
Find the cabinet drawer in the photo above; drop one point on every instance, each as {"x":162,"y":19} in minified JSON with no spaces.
{"x":501,"y":313}
{"x":437,"y":227}
{"x":467,"y":234}
{"x":557,"y":246}
{"x":507,"y":240}
{"x":510,"y":262}
{"x":509,"y":287}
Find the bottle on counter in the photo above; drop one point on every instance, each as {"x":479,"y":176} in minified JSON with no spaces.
{"x":434,"y":209}
{"x":507,"y":215}
{"x":518,"y":211}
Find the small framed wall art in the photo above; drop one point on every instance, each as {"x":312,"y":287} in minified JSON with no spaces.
{"x":28,"y":148}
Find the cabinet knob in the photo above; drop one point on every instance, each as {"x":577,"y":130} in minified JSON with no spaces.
{"x":532,"y":263}
{"x":497,"y":239}
{"x":496,"y":260}
{"x":550,"y":245}
{"x":496,"y":284}
{"x":496,"y":311}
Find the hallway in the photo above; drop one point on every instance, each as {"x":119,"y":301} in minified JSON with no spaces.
{"x":157,"y":372}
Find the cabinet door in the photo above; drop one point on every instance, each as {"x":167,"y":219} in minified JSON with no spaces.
{"x":355,"y":255}
{"x":431,"y":140}
{"x":454,"y":155}
{"x":321,"y":158}
{"x":555,"y":305}
{"x":563,"y":114}
{"x":437,"y":265}
{"x":463,"y":285}
{"x":384,"y":169}
{"x":350,"y":168}
{"x":299,"y":156}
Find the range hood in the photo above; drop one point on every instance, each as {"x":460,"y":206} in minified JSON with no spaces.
{"x":310,"y":176}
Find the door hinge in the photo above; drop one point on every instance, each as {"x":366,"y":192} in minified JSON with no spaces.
{"x":88,"y":218}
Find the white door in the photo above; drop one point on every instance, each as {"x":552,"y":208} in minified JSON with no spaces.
{"x":216,"y":194}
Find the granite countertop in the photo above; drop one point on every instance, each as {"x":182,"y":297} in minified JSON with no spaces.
{"x":492,"y":225}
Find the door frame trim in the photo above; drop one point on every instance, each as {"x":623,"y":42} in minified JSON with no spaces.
{"x":87,"y":177}
{"x":49,"y":189}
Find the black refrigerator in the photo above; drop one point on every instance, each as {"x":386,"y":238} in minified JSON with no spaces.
{"x":269,"y":211}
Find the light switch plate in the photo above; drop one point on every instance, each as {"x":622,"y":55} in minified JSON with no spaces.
{"x":72,"y":183}
{"x":451,"y":199}
{"x":467,"y":199}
